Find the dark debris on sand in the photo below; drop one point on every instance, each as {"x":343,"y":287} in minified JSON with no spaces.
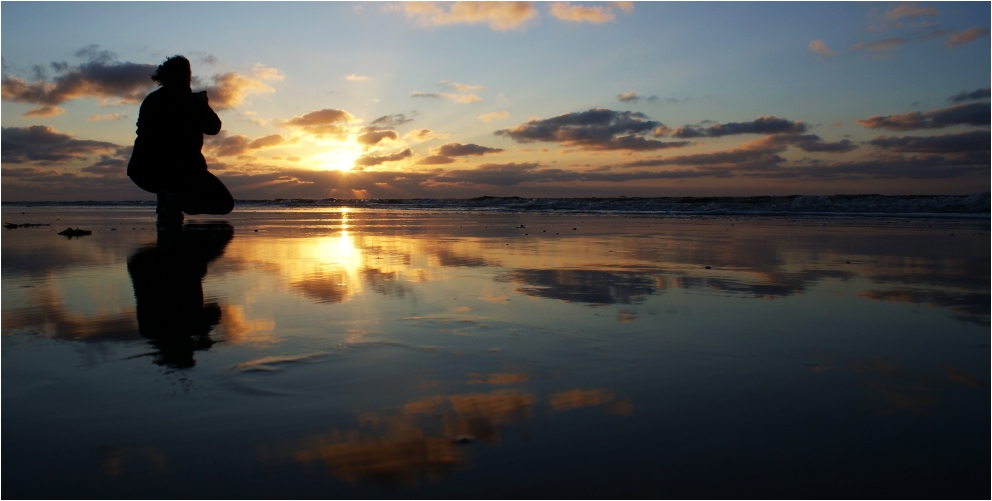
{"x":69,"y":232}
{"x":13,"y":226}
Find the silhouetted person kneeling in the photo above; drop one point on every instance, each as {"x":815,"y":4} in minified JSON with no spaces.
{"x":166,"y":159}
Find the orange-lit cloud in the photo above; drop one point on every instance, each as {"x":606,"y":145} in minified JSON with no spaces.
{"x":102,"y":76}
{"x":461,"y":98}
{"x":805,"y":142}
{"x":500,"y":16}
{"x":230,"y":89}
{"x":962,"y":114}
{"x":45,"y":145}
{"x":44,"y":111}
{"x":628,"y":96}
{"x":908,"y":10}
{"x":887,"y":45}
{"x":460,"y":87}
{"x":322,"y":123}
{"x":109,"y":116}
{"x":356,"y":78}
{"x":373,"y":137}
{"x":820,"y":48}
{"x":581,"y":13}
{"x":966,"y":36}
{"x":373,"y":160}
{"x":489,"y":117}
{"x":424,"y":135}
{"x":223,"y":145}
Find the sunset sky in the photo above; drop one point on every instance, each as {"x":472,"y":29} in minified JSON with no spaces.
{"x":401,"y":100}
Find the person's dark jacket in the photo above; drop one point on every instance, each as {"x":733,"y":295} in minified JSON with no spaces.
{"x":171,"y":124}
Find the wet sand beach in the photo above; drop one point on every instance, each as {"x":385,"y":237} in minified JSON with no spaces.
{"x":358,"y":353}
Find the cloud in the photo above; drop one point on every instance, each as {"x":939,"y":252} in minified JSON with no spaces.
{"x":820,"y":48}
{"x":579,"y":13}
{"x":962,"y":142}
{"x":372,"y":137}
{"x":489,"y":117}
{"x":908,"y":10}
{"x":373,"y":160}
{"x":754,"y":156}
{"x":760,"y":159}
{"x":46,"y":146}
{"x":595,"y":129}
{"x":436,"y":160}
{"x":356,"y":78}
{"x":966,"y":36}
{"x":225,"y":145}
{"x":462,"y":150}
{"x":230,"y":89}
{"x":962,"y":114}
{"x":760,"y":125}
{"x":889,"y":44}
{"x":108,"y":117}
{"x":460,"y":87}
{"x":500,"y":16}
{"x":628,"y":96}
{"x":627,"y":7}
{"x":391,"y":120}
{"x":102,"y":76}
{"x":110,"y":166}
{"x":806,"y":142}
{"x":969,"y":96}
{"x":421,"y":135}
{"x":445,"y":153}
{"x":322,"y":123}
{"x":515,"y":174}
{"x":44,"y":111}
{"x":461,"y":98}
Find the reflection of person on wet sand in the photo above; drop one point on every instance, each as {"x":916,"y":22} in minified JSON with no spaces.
{"x":167,"y":279}
{"x":166,"y":159}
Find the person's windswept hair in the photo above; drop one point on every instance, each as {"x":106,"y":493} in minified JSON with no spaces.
{"x":174,"y":71}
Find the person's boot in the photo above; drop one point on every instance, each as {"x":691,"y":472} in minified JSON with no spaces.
{"x":169,"y":215}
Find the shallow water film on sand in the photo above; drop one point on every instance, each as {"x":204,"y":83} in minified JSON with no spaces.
{"x":371,"y":353}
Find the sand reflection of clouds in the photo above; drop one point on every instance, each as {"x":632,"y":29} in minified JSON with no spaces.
{"x":890,"y":388}
{"x":971,"y":307}
{"x":421,"y":440}
{"x":237,"y":329}
{"x":583,"y":286}
{"x":502,"y":378}
{"x":49,"y":316}
{"x":325,"y":286}
{"x":577,"y":399}
{"x":426,"y":438}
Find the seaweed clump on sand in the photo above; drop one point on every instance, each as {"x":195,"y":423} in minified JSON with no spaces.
{"x":69,"y":232}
